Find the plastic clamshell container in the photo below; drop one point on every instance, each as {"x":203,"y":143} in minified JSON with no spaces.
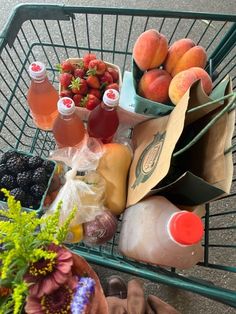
{"x":40,"y":208}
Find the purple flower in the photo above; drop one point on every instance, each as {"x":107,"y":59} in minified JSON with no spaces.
{"x":84,"y":290}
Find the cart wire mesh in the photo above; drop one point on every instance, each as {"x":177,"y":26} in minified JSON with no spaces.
{"x":52,"y":33}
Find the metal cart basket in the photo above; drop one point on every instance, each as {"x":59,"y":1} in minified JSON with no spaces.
{"x":52,"y":33}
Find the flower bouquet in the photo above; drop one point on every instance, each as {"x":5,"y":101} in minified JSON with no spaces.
{"x":38,"y":274}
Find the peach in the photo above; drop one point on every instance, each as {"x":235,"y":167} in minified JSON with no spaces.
{"x":150,"y":50}
{"x":176,"y":51}
{"x":154,"y":85}
{"x":184,"y":54}
{"x":183,"y":80}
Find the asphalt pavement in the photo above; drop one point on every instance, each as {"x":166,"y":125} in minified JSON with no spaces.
{"x":185,"y":302}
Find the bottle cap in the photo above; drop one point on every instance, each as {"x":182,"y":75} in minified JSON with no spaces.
{"x":111,"y":97}
{"x":66,"y":106}
{"x":185,"y":228}
{"x":37,"y":70}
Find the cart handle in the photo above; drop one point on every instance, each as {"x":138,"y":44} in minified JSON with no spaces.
{"x":24,"y":12}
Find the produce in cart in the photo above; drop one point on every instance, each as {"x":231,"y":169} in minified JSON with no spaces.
{"x":27,"y":177}
{"x":86,"y":79}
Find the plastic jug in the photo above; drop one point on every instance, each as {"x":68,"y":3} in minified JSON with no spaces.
{"x":157,"y":232}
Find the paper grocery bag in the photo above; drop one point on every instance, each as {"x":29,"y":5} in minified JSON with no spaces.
{"x":154,"y":141}
{"x":155,"y":171}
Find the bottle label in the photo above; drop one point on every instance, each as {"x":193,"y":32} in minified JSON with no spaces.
{"x":67,"y":103}
{"x":111,"y":94}
{"x":36,"y":67}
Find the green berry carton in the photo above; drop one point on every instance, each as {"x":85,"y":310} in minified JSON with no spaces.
{"x":27,"y":177}
{"x":130,"y":100}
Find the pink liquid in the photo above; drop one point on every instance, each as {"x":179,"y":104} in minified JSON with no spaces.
{"x":68,"y":130}
{"x":42,"y":99}
{"x":103,"y":123}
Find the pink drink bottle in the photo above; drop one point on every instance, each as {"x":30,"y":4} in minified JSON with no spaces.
{"x":68,"y":129}
{"x":42,"y":97}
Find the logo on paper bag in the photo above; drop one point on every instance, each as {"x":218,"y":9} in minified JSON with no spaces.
{"x":149,"y":159}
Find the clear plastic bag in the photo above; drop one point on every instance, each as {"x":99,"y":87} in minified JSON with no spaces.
{"x":87,"y":191}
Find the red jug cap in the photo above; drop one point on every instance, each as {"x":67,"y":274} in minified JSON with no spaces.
{"x":186,"y":228}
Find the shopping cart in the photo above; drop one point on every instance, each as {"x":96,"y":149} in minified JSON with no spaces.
{"x":52,"y":33}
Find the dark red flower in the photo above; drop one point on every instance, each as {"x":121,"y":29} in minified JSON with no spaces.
{"x":45,"y":275}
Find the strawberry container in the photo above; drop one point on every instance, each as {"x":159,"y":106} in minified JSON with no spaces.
{"x":39,"y":208}
{"x":83,"y":110}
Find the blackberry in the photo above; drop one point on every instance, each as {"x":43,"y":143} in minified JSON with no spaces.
{"x":29,"y":201}
{"x":19,"y":195}
{"x":8,"y":182}
{"x":3,"y":170}
{"x":37,"y":190}
{"x":15,"y":165}
{"x":7,"y":156}
{"x":24,"y":178}
{"x":35,"y":162}
{"x":48,"y":165}
{"x":25,"y":158}
{"x":40,"y":176}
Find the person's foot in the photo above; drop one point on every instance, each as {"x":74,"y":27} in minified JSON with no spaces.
{"x":116,"y":287}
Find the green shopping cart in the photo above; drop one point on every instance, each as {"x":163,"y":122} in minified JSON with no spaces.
{"x":67,"y":31}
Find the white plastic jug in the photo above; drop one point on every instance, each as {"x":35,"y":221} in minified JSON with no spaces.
{"x":157,"y":232}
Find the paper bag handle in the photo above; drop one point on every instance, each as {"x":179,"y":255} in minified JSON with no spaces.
{"x":210,"y":124}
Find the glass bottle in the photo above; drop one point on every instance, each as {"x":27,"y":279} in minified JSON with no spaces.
{"x":42,"y":97}
{"x":68,"y":128}
{"x":103,"y":120}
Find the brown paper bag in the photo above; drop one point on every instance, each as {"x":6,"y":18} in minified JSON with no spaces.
{"x":155,"y":171}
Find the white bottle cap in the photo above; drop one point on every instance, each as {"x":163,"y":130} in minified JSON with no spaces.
{"x":66,"y":106}
{"x":111,"y":97}
{"x":37,"y":70}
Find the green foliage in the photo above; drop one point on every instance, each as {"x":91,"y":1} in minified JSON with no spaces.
{"x":24,"y":237}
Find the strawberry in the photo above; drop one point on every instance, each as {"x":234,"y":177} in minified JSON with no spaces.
{"x":66,"y":93}
{"x":93,"y":81}
{"x":77,"y":99}
{"x":106,"y":79}
{"x":90,"y":102}
{"x":87,"y":58}
{"x":113,"y":86}
{"x":96,"y":92}
{"x":114,"y":74}
{"x":79,"y":72}
{"x":79,"y":86}
{"x":65,"y":79}
{"x":66,"y":66}
{"x":98,"y":66}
